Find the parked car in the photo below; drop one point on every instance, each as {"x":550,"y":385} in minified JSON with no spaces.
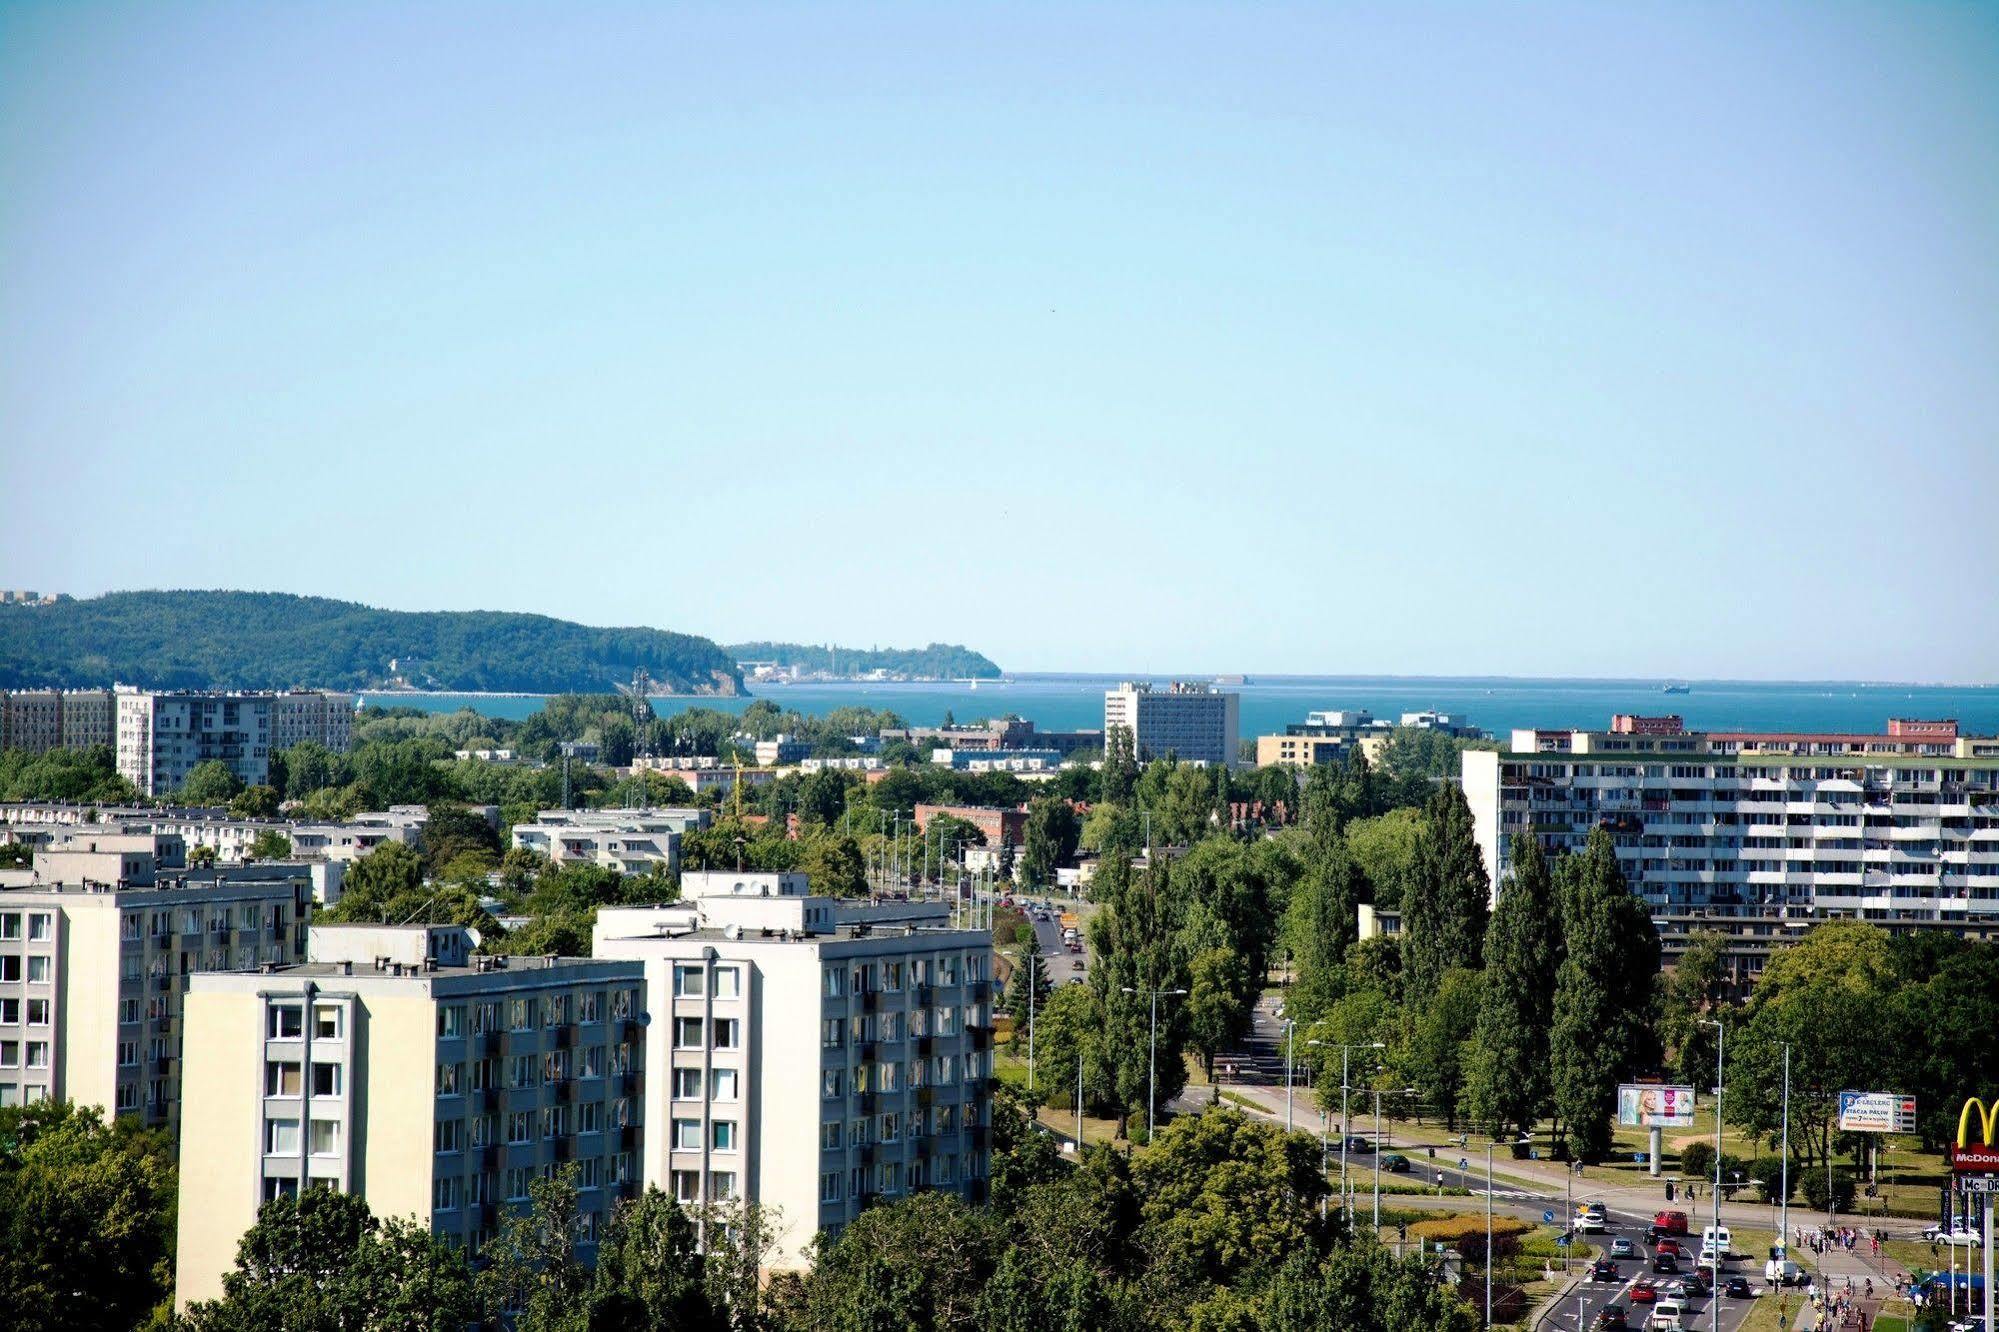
{"x":1395,"y":1163}
{"x":1784,"y":1272}
{"x":1623,"y":1248}
{"x":1952,"y":1237}
{"x":1738,"y":1288}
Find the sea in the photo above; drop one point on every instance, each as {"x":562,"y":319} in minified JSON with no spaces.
{"x":1498,"y":704}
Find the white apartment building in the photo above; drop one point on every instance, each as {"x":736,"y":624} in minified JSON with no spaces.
{"x":399,"y":1065}
{"x":631,"y":841}
{"x":1760,"y":835}
{"x":1193,"y":721}
{"x":298,"y":715}
{"x":97,"y":945}
{"x":809,"y":1054}
{"x":161,"y":736}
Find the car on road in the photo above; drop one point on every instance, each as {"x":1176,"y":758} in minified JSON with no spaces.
{"x":1666,"y":1244}
{"x":1604,"y":1270}
{"x":1077,"y":965}
{"x":1395,"y":1163}
{"x":1643,"y":1291}
{"x":1738,"y":1288}
{"x":1360,"y":1145}
{"x":1666,"y":1314}
{"x":1665,"y":1262}
{"x":1610,"y":1318}
{"x":1623,"y":1248}
{"x":1784,"y":1272}
{"x":1670,"y":1223}
{"x":1678,"y":1290}
{"x":1953,"y":1236}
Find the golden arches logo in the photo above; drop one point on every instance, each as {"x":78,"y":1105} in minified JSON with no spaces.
{"x":1988,"y":1120}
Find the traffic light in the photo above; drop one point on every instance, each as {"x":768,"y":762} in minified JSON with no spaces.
{"x":1669,"y":1190}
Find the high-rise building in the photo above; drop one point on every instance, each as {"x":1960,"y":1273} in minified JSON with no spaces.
{"x":1195,"y":722}
{"x":1760,"y":835}
{"x":161,"y":736}
{"x":631,"y":841}
{"x":298,"y":715}
{"x":809,"y":1054}
{"x":398,"y":1065}
{"x":98,"y":942}
{"x":89,"y":718}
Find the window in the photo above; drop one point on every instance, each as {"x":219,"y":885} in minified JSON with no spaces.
{"x":590,"y":1007}
{"x":10,"y":1054}
{"x":280,"y":1188}
{"x":687,"y":1185}
{"x":686,"y":1033}
{"x":450,"y":1021}
{"x":520,"y":1014}
{"x":325,"y":1137}
{"x":725,"y":1135}
{"x":38,"y":970}
{"x":128,"y":1054}
{"x":10,"y":968}
{"x":520,"y":1126}
{"x":38,"y":1012}
{"x":518,"y":1178}
{"x":722,"y":1185}
{"x":728,"y":1033}
{"x":281,"y":1137}
{"x":686,"y":1084}
{"x":725,"y":1084}
{"x":830,"y":1032}
{"x":522,"y":1071}
{"x":450,"y":1135}
{"x":590,"y":1117}
{"x":829,"y":1187}
{"x":325,"y":1079}
{"x":447,"y":1078}
{"x":284,"y":1022}
{"x":555,"y":1011}
{"x":38,"y":927}
{"x":728,"y":983}
{"x":687,"y":1135}
{"x":479,"y":1075}
{"x":281,"y":1077}
{"x":689,"y":982}
{"x":128,"y":1009}
{"x":444,"y":1193}
{"x":831,"y":1082}
{"x":829,"y":1137}
{"x":10,"y":924}
{"x":835,"y":985}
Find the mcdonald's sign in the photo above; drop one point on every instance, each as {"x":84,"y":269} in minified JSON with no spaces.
{"x":1977,"y":1154}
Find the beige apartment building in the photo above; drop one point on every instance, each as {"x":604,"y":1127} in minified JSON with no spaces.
{"x":400,"y":1066}
{"x":98,"y":943}
{"x":808,"y":1054}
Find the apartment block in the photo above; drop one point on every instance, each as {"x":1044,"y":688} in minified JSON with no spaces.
{"x":1002,"y":827}
{"x":299,"y":715}
{"x":1761,"y":835}
{"x":631,"y":841}
{"x":32,"y":720}
{"x":399,"y":1065}
{"x":1195,"y":722}
{"x":98,"y":943}
{"x":1328,"y":736}
{"x":806,"y":1053}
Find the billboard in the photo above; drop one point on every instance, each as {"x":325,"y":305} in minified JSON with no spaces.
{"x":1876,"y":1112}
{"x":1655,"y":1107}
{"x":1979,"y":1155}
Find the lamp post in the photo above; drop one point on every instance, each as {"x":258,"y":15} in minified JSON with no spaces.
{"x":1290,"y":1041}
{"x":1405,"y":1091}
{"x":1152,"y":1058}
{"x":1346,"y":1048}
{"x":1784,"y":1166}
{"x":1524,"y":1138}
{"x":1714,"y":1303}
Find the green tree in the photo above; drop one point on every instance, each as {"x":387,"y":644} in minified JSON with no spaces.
{"x":1445,"y":901}
{"x":1508,"y":1078}
{"x":210,"y":782}
{"x":1119,"y":775}
{"x":1362,"y":1285}
{"x":86,"y":1220}
{"x":1222,"y":1196}
{"x":834,"y":864}
{"x":1440,"y":1047}
{"x":255,"y":802}
{"x":1068,"y":1034}
{"x":1323,"y":919}
{"x":270,"y":844}
{"x":1384,"y":847}
{"x":322,"y":1262}
{"x":1602,"y":994}
{"x":1692,"y":993}
{"x":532,"y":1264}
{"x":1133,"y":938}
{"x":1030,"y":977}
{"x":1023,"y":1296}
{"x":650,"y":1274}
{"x":1053,"y":831}
{"x":911,"y":1266}
{"x":1219,"y":1001}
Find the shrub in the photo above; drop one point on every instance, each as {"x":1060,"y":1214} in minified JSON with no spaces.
{"x":1768,"y":1172}
{"x":1814,"y":1186}
{"x":1697,"y":1161}
{"x":1466,"y":1233}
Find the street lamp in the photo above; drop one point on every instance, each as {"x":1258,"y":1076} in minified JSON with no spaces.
{"x":1522,"y":1140}
{"x":1719,"y":1033}
{"x":1347,"y":1047}
{"x":1152,"y":1056}
{"x":1401,"y":1091}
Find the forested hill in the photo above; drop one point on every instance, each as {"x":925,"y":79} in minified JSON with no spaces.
{"x":272,"y":640}
{"x":939,"y":661}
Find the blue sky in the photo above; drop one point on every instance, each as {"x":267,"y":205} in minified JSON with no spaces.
{"x":1656,"y":340}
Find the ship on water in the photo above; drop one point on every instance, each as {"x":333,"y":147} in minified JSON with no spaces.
{"x":1677,"y":689}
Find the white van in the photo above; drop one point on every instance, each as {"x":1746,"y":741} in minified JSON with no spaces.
{"x":1666,"y":1314}
{"x":1783,"y":1272}
{"x":1716,"y":1238}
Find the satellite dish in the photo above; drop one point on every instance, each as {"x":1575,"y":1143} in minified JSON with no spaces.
{"x":733,"y":932}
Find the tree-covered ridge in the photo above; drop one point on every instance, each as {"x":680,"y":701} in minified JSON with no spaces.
{"x":938,"y":661}
{"x":273,"y":640}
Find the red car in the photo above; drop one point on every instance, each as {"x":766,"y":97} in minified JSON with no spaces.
{"x":1667,"y":1247}
{"x":1643,"y":1292}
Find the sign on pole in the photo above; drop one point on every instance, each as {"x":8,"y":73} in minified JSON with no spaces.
{"x":1876,"y":1112}
{"x":1655,"y":1107}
